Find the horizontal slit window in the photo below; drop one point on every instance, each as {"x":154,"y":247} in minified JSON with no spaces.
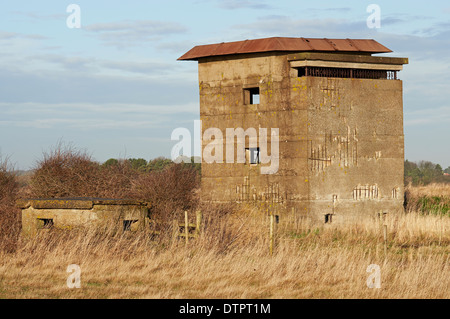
{"x":128,"y":225}
{"x":45,"y":223}
{"x":346,"y":73}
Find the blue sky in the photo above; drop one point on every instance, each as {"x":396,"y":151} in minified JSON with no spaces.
{"x":114,"y":87}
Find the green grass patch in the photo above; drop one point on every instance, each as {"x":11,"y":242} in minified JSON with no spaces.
{"x":436,"y":205}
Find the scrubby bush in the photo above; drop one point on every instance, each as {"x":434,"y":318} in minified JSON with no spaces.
{"x":68,"y":172}
{"x":116,"y":181}
{"x":65,"y":172}
{"x":9,"y":213}
{"x":170,"y":189}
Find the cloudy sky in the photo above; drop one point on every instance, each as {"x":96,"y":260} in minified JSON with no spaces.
{"x":114,"y":87}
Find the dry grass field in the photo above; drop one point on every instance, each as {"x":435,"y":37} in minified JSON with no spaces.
{"x":231,"y":260}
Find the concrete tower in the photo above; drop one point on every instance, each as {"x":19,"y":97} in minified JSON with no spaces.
{"x":339,"y":114}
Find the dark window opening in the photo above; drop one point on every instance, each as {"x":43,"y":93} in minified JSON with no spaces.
{"x":328,"y":218}
{"x":45,"y":223}
{"x":253,"y":155}
{"x":346,"y":73}
{"x":127,"y":224}
{"x":301,"y":72}
{"x":251,"y":95}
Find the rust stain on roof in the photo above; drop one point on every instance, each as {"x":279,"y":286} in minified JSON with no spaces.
{"x":282,"y":44}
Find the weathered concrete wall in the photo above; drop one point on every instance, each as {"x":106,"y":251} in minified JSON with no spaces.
{"x":340,"y":139}
{"x":71,"y":213}
{"x":222,"y":106}
{"x":356,"y":152}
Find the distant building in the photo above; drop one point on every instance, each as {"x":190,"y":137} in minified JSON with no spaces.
{"x":339,"y":112}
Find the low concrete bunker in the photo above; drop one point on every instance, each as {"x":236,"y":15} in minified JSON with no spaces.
{"x":68,"y":213}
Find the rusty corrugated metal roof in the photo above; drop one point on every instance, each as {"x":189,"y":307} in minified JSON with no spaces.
{"x":282,"y":44}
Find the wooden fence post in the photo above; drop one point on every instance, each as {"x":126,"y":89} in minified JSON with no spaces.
{"x":294,"y":219}
{"x":441,"y":228}
{"x":271,"y":233}
{"x":175,"y":229}
{"x":198,"y":223}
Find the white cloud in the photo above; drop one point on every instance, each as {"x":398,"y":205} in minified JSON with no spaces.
{"x":242,"y":4}
{"x":40,"y":17}
{"x":98,"y":65}
{"x":428,"y":116}
{"x":333,"y":9}
{"x":60,"y":86}
{"x":5,"y":35}
{"x":281,"y":25}
{"x":81,"y":124}
{"x":90,"y":116}
{"x":147,"y":68}
{"x":107,"y":109}
{"x":125,"y":33}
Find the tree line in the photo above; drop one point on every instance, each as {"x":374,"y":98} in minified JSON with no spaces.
{"x":416,"y":173}
{"x":425,"y":172}
{"x":153,"y":165}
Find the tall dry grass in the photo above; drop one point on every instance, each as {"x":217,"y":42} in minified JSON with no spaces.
{"x":433,"y":189}
{"x":430,"y":199}
{"x":10,"y":221}
{"x":308,"y":262}
{"x":231,"y":257}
